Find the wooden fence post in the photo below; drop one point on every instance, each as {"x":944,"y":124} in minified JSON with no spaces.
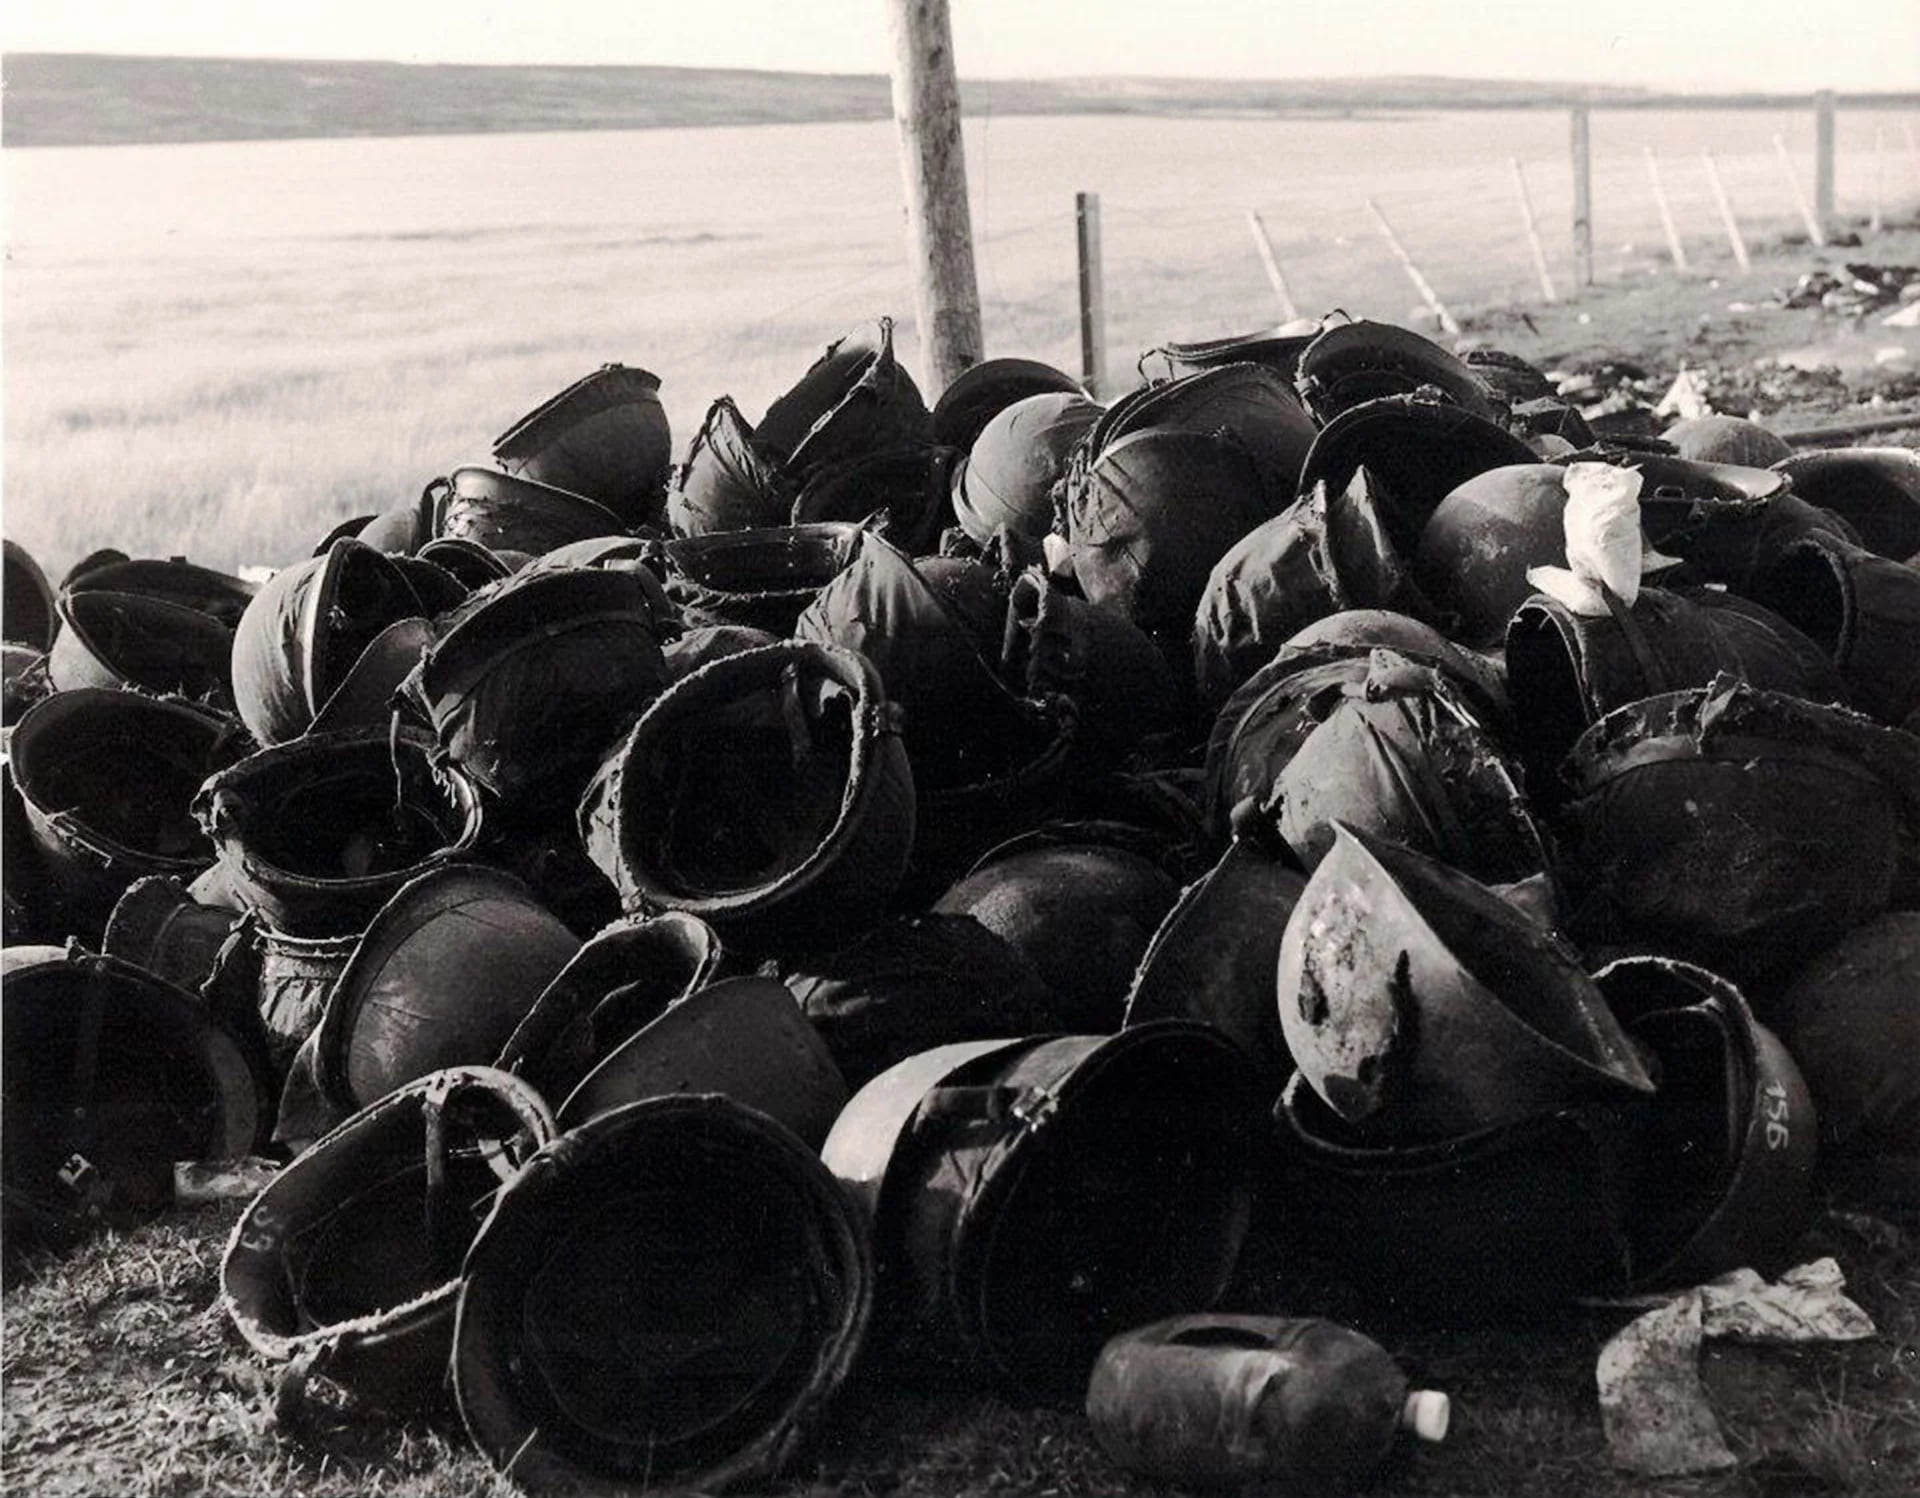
{"x":1674,"y":246}
{"x":1288,"y":311}
{"x":1734,"y":236}
{"x":1093,"y":294}
{"x":1420,"y":283}
{"x":1814,"y":231}
{"x":1533,"y":231}
{"x":1823,"y":159}
{"x":1582,"y":198}
{"x":926,"y":107}
{"x":1877,"y":221}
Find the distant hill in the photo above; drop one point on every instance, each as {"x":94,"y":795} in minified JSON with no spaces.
{"x":54,"y":99}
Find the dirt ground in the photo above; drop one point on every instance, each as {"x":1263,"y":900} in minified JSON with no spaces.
{"x":121,"y":1375}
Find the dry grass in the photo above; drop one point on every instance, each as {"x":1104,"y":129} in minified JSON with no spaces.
{"x":121,"y":1375}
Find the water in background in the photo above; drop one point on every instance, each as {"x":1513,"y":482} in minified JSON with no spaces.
{"x":411,"y":296}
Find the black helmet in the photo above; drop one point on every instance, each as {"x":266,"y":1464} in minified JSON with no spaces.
{"x":1249,"y":404}
{"x":1327,"y":552}
{"x":1033,"y":1197}
{"x":1726,"y":439}
{"x":28,"y":600}
{"x":982,"y":391}
{"x":112,"y":1075}
{"x":131,"y":640}
{"x":1738,"y":827}
{"x":109,"y":779}
{"x":206,"y":950}
{"x":1476,"y":547}
{"x":855,"y":398}
{"x":319,"y":833}
{"x":605,"y":437}
{"x":218,"y":595}
{"x":669,"y":1297}
{"x":1421,"y":1005}
{"x":1862,"y":609}
{"x":1277,"y":351}
{"x":349,"y":1262}
{"x":302,"y":635}
{"x":1351,"y":363}
{"x":534,"y":678}
{"x":763,"y":578}
{"x":692,"y":649}
{"x":904,"y":494}
{"x":916,"y":982}
{"x":767,"y":793}
{"x":1016,"y":461}
{"x":1876,"y":490}
{"x":447,"y":969}
{"x":728,"y":483}
{"x":508,"y":513}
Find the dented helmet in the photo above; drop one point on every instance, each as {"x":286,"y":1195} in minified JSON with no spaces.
{"x":855,"y":398}
{"x":670,"y":1297}
{"x":604,"y":437}
{"x":727,"y":482}
{"x":504,"y":512}
{"x":1420,"y":1005}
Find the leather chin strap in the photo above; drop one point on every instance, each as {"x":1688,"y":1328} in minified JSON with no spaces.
{"x":1652,"y":672}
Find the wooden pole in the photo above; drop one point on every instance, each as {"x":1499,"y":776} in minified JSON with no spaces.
{"x":1582,"y":197}
{"x":926,"y":107}
{"x":1674,"y":247}
{"x":1814,"y":231}
{"x":1823,"y":158}
{"x":1533,"y":231}
{"x":1420,"y":284}
{"x":1877,"y":220}
{"x":1913,"y":147}
{"x":1734,"y":236}
{"x":1093,"y":294}
{"x":1288,"y":311}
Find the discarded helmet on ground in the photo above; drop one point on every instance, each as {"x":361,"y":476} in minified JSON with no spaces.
{"x":916,"y":982}
{"x":980,"y":392}
{"x":218,"y":595}
{"x":112,"y":1075}
{"x":1862,"y":609}
{"x":855,"y":398}
{"x":1735,"y":827}
{"x":768,"y":793}
{"x":727,"y":482}
{"x":1277,"y":351}
{"x":1477,"y":546}
{"x":1420,"y":1005}
{"x":109,"y":780}
{"x":1248,"y":404}
{"x":1726,"y":439}
{"x":348,"y":1263}
{"x":762,"y":578}
{"x":317,"y":834}
{"x":1876,"y":490}
{"x":29,"y":618}
{"x":445,"y":971}
{"x":1351,"y":363}
{"x":130,"y":640}
{"x":604,"y":437}
{"x":1015,"y":462}
{"x":1033,"y":1197}
{"x":507,"y":513}
{"x":1851,"y":1017}
{"x":1327,"y":552}
{"x":670,"y":1297}
{"x":1724,"y":1161}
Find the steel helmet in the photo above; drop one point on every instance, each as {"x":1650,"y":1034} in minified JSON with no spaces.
{"x":1033,"y":1197}
{"x":1249,"y":404}
{"x":1738,"y":827}
{"x":626,"y":975}
{"x":205,"y":950}
{"x":1420,"y":1005}
{"x":1417,"y":448}
{"x":28,"y":600}
{"x":855,"y":398}
{"x":1726,"y":439}
{"x":1273,"y":349}
{"x":689,"y":651}
{"x":218,"y":595}
{"x":108,"y":779}
{"x":1503,"y":1218}
{"x":1725,"y":1158}
{"x":980,"y":392}
{"x":1862,"y":609}
{"x":762,"y":578}
{"x":1476,"y":547}
{"x":1851,"y":1017}
{"x":112,"y":1075}
{"x":1351,"y":363}
{"x":1327,"y":552}
{"x":605,"y":437}
{"x":670,"y":1297}
{"x":349,"y":1262}
{"x":507,"y":513}
{"x":317,"y":834}
{"x":131,"y":640}
{"x":902,"y":493}
{"x":768,"y":793}
{"x":447,"y":969}
{"x":1213,"y":957}
{"x":728,"y":483}
{"x":1508,"y":376}
{"x":915,"y":982}
{"x":1081,"y":913}
{"x":534,"y":678}
{"x":297,"y":974}
{"x":1016,"y":461}
{"x":1876,"y":490}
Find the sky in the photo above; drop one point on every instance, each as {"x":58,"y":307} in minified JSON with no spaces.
{"x":1776,"y":45}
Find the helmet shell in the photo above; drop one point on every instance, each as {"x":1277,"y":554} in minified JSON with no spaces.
{"x":727,"y":483}
{"x":604,"y":437}
{"x":1726,"y":439}
{"x":982,"y":391}
{"x":510,"y":512}
{"x":1351,"y":363}
{"x":1876,"y":490}
{"x":28,"y":600}
{"x":1862,"y":609}
{"x":1015,"y":462}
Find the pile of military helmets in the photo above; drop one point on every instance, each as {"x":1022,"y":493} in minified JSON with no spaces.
{"x":954,"y":877}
